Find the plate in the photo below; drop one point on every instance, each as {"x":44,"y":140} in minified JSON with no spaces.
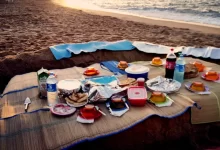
{"x":163,"y":85}
{"x":188,"y":85}
{"x":91,"y":73}
{"x":62,"y":109}
{"x":89,"y":115}
{"x":156,"y":65}
{"x":203,"y":77}
{"x":167,"y":102}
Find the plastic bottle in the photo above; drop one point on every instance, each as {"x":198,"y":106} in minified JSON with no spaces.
{"x":170,"y":64}
{"x":179,"y":69}
{"x":52,"y":95}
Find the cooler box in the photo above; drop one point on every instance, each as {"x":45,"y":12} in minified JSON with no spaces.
{"x":137,"y":95}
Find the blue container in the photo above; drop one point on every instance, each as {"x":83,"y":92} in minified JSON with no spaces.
{"x":137,"y":71}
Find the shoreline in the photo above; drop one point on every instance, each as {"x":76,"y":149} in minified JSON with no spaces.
{"x":199,"y":27}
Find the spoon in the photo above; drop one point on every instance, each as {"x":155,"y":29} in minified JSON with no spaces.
{"x":97,"y":108}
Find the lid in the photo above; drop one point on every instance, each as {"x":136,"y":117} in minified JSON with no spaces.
{"x":137,"y":69}
{"x":137,"y":93}
{"x":69,"y":84}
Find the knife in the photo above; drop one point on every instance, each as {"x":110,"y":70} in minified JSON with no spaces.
{"x":27,"y":102}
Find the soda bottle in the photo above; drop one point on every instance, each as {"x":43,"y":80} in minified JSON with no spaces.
{"x":170,"y":64}
{"x":179,"y":69}
{"x":52,"y":95}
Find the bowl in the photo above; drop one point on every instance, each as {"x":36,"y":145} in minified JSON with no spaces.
{"x":137,"y":71}
{"x":157,"y":61}
{"x":68,"y":86}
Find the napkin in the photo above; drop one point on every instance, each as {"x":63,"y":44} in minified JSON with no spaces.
{"x":82,"y":120}
{"x":117,"y":112}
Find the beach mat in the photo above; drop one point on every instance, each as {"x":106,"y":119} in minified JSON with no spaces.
{"x":42,"y":130}
{"x":210,"y":104}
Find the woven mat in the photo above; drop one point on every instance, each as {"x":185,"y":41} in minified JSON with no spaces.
{"x":42,"y":130}
{"x":210,"y":104}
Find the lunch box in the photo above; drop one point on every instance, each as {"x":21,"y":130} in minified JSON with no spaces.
{"x":137,"y":95}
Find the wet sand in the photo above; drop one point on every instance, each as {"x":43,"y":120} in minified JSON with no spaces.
{"x":29,"y":27}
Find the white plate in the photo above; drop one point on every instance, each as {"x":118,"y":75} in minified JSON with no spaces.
{"x":69,"y":85}
{"x":163,"y":85}
{"x":62,"y":109}
{"x":188,"y":85}
{"x":78,"y":105}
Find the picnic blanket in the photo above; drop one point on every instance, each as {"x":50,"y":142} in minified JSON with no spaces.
{"x":64,"y":50}
{"x":42,"y":130}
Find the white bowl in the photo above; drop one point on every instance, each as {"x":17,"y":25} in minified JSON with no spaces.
{"x":69,"y":86}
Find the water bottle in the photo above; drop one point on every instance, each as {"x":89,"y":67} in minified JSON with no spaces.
{"x":52,"y":95}
{"x":179,"y":69}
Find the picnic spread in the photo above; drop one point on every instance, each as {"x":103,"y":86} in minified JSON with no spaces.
{"x":100,"y":100}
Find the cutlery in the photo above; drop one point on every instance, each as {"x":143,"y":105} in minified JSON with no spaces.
{"x":124,"y":100}
{"x":27,"y":102}
{"x":108,"y":106}
{"x":97,"y":108}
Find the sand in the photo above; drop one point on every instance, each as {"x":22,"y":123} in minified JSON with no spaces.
{"x":29,"y":27}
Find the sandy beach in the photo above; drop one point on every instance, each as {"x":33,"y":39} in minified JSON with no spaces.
{"x":29,"y":27}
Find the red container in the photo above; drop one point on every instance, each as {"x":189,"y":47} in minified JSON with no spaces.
{"x":137,"y":95}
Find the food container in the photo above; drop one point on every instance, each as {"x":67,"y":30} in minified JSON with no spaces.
{"x":140,"y":81}
{"x":137,"y":95}
{"x":137,"y":71}
{"x":69,"y":86}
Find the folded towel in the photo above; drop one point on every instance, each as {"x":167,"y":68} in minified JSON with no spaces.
{"x":65,"y":50}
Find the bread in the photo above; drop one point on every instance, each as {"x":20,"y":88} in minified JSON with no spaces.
{"x":157,"y":61}
{"x":77,"y":98}
{"x":190,"y":71}
{"x":127,"y":81}
{"x":122,"y":65}
{"x":211,"y":75}
{"x":197,"y":86}
{"x":157,"y":97}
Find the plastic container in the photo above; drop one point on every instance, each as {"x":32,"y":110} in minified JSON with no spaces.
{"x":137,"y":95}
{"x":137,"y":71}
{"x":140,"y":81}
{"x":179,"y":69}
{"x":52,"y":95}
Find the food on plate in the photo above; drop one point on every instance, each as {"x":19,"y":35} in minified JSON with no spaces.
{"x":77,"y":98}
{"x":127,"y":81}
{"x":158,"y":97}
{"x":157,"y":61}
{"x":122,"y":65}
{"x":117,"y":102}
{"x":91,"y":71}
{"x":211,"y":75}
{"x":197,"y":86}
{"x":199,"y":66}
{"x":191,"y":71}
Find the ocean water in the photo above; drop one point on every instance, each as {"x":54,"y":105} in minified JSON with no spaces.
{"x":199,"y":11}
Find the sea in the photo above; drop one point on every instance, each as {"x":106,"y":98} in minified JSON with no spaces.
{"x":196,"y":11}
